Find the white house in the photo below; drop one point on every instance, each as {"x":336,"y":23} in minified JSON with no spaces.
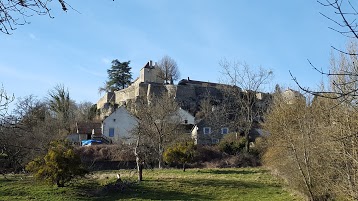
{"x":119,"y":126}
{"x":183,"y":117}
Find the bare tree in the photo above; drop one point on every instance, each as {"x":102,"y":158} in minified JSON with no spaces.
{"x":291,"y":127}
{"x":5,"y":101}
{"x":16,"y":12}
{"x":242,"y":97}
{"x":158,"y":124}
{"x":169,"y":70}
{"x":35,"y":123}
{"x":27,"y":132}
{"x":30,"y":110}
{"x":142,"y":150}
{"x":346,"y":12}
{"x":314,"y":146}
{"x":343,"y":76}
{"x":344,"y":149}
{"x":5,"y":123}
{"x":85,"y":111}
{"x":62,"y":106}
{"x":215,"y":111}
{"x":139,"y":160}
{"x":344,"y":80}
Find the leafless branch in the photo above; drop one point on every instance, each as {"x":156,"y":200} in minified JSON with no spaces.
{"x":15,"y":12}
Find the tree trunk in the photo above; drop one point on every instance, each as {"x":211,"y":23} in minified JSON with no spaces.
{"x":249,"y":126}
{"x":60,"y":184}
{"x":159,"y":163}
{"x":183,"y":167}
{"x":247,"y":143}
{"x":140,"y":171}
{"x":160,"y":157}
{"x":304,"y":176}
{"x":138,"y":161}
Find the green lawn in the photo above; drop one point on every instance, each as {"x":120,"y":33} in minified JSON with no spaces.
{"x":169,"y":184}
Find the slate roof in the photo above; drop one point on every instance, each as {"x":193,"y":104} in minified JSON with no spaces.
{"x":88,"y":127}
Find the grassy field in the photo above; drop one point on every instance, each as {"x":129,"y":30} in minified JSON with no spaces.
{"x":168,"y":184}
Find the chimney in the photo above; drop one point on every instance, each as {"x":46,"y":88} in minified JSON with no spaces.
{"x":150,"y":64}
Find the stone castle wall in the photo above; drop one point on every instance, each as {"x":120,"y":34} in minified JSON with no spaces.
{"x":188,"y":96}
{"x":188,"y":93}
{"x":123,"y":95}
{"x":107,"y":98}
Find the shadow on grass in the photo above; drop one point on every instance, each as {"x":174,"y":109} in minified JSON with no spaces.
{"x":222,"y":183}
{"x":182,"y":189}
{"x":204,"y":187}
{"x":13,"y":186}
{"x":85,"y":187}
{"x":145,"y":192}
{"x":226,"y":171}
{"x":12,"y":178}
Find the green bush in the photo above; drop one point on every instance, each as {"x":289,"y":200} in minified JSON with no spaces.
{"x":60,"y":164}
{"x":205,"y":153}
{"x":232,"y":145}
{"x":180,"y":153}
{"x":112,"y":152}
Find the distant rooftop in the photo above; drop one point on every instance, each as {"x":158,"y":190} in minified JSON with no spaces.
{"x":196,"y":82}
{"x":88,"y":128}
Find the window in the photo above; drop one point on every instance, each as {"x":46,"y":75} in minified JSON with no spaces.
{"x":207,"y":130}
{"x":224,"y":130}
{"x":214,"y":141}
{"x":111,"y":132}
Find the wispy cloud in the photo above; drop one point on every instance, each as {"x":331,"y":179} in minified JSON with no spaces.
{"x":106,"y":61}
{"x":23,"y":75}
{"x":92,"y":72}
{"x":32,"y":36}
{"x":9,"y":72}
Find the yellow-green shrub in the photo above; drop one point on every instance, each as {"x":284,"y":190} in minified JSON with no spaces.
{"x":180,"y":153}
{"x":60,"y":164}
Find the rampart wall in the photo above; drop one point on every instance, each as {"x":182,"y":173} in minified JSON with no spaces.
{"x":107,"y":98}
{"x":188,"y":95}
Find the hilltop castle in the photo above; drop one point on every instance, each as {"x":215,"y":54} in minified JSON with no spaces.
{"x":188,"y":93}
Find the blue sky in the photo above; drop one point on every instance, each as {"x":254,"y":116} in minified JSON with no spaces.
{"x":75,"y":49}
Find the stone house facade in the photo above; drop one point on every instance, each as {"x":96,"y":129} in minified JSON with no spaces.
{"x":204,"y":133}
